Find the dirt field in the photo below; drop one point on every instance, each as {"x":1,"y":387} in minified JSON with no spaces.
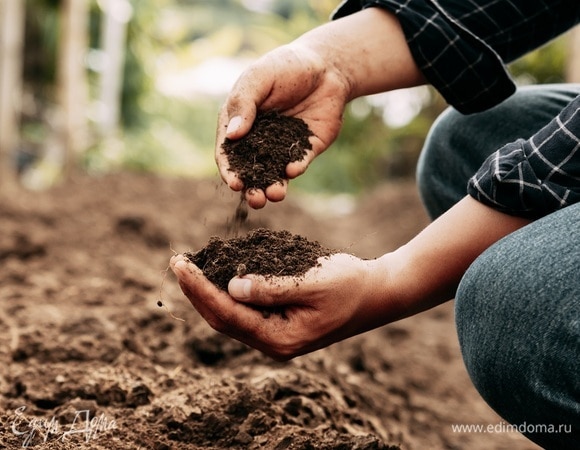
{"x":88,"y":359}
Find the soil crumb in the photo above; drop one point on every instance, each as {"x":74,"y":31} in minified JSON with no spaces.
{"x":262,"y":251}
{"x":240,"y":217}
{"x":260,"y":157}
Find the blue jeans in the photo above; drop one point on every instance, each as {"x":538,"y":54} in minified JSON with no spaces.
{"x":517,"y":307}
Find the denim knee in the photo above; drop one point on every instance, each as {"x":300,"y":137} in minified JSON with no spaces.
{"x":457,"y":144}
{"x":433,"y":174}
{"x":518,"y":323}
{"x":450,"y":157}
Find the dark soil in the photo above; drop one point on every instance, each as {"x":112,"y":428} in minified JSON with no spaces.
{"x":82,"y":268}
{"x":260,"y":157}
{"x":262,"y":252}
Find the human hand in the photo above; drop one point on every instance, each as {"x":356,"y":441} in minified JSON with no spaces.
{"x":297,"y":82}
{"x":342,"y":297}
{"x":312,"y":79}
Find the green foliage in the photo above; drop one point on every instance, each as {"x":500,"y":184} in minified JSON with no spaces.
{"x":140,"y":47}
{"x":545,"y":65}
{"x":173,"y":137}
{"x":367,"y":152}
{"x":40,"y":46}
{"x":176,"y":136}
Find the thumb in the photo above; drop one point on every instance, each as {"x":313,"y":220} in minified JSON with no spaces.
{"x":240,"y":288}
{"x":240,"y":117}
{"x":259,"y":291}
{"x":247,"y":95}
{"x":238,"y":126}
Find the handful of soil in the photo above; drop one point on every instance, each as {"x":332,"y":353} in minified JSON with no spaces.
{"x":260,"y":159}
{"x":262,"y":252}
{"x":261,"y":156}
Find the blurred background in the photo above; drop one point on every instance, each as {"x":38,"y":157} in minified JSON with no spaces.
{"x":93,"y":86}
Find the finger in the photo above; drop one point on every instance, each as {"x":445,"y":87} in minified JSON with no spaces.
{"x":243,"y":322}
{"x":247,"y":95}
{"x":320,"y":142}
{"x":296,"y":168}
{"x":256,"y":198}
{"x":277,"y":191}
{"x":221,"y":311}
{"x":235,"y":120}
{"x":228,"y":176}
{"x":267,"y":292}
{"x":195,"y":286}
{"x":241,"y":109}
{"x":240,"y":122}
{"x":190,"y":277}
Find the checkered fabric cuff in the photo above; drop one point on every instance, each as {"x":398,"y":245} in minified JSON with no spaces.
{"x":532,"y":178}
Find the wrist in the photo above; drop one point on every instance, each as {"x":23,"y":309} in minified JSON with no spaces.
{"x":429,"y":268}
{"x":402,"y":286}
{"x":382,"y":301}
{"x":368,"y":49}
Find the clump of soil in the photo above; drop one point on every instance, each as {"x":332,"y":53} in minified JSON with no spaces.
{"x":262,"y":251}
{"x":260,"y":157}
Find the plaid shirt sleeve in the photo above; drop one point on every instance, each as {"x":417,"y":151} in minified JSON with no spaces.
{"x":534,"y":177}
{"x":462,"y":46}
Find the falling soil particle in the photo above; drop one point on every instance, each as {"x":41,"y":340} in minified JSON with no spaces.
{"x":240,"y":217}
{"x":261,"y":156}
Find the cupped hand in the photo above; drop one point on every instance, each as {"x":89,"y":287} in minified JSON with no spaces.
{"x":296,"y":81}
{"x":342,"y":297}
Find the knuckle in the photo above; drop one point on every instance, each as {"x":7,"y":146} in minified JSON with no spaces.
{"x":217,"y":324}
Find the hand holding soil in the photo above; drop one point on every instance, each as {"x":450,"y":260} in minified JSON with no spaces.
{"x":259,"y":159}
{"x":275,"y":291}
{"x":298,"y":83}
{"x":328,"y":303}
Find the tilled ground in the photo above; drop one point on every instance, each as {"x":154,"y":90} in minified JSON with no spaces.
{"x":88,"y":359}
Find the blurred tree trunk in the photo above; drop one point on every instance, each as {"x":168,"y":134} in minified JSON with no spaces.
{"x":116,"y":15}
{"x":11,"y":45}
{"x":573,"y":69}
{"x":72,"y":81}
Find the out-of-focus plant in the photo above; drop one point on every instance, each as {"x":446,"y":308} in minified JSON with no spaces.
{"x":545,"y":65}
{"x":176,"y":134}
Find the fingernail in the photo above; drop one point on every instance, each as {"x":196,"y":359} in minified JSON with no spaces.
{"x":234,"y":124}
{"x":240,"y":288}
{"x":180,"y":266}
{"x":175,"y":258}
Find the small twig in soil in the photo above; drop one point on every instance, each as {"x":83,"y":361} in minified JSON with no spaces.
{"x":353,"y":243}
{"x":160,"y":299}
{"x":241,"y":270}
{"x":163,"y":305}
